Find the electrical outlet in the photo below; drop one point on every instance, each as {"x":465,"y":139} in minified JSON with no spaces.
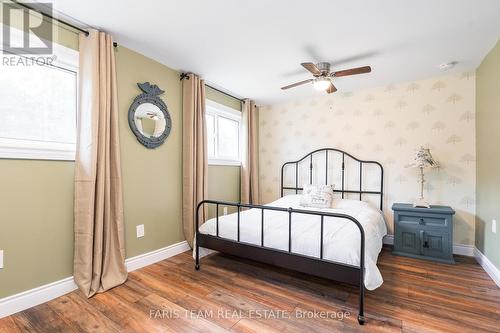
{"x":140,"y":230}
{"x":225,"y":211}
{"x":494,"y":226}
{"x":1,"y":258}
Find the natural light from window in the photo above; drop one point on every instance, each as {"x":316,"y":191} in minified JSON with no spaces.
{"x":223,"y":134}
{"x":38,"y":103}
{"x":38,"y":110}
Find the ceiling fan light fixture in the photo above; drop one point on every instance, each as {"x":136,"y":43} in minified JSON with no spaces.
{"x":321,"y":83}
{"x":323,"y":78}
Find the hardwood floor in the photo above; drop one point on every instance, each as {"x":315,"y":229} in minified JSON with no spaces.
{"x":230,"y":294}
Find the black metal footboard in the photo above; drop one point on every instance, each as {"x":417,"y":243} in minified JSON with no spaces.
{"x":321,"y":267}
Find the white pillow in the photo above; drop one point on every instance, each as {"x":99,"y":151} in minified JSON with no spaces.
{"x":317,"y":196}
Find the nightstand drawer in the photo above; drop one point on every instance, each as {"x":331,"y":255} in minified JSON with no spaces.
{"x":419,"y":220}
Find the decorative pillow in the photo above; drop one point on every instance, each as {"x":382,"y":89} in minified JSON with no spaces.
{"x":317,"y":196}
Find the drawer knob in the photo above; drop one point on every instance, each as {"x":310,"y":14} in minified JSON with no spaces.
{"x":422,"y":221}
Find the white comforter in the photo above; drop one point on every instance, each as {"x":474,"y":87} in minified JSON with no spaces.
{"x":341,"y":236}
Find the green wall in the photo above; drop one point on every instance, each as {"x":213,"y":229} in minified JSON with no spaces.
{"x":36,"y":197}
{"x":488,"y":155}
{"x":152,"y":178}
{"x":36,"y":223}
{"x":223,"y":184}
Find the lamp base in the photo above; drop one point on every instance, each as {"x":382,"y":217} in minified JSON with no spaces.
{"x":421,"y":203}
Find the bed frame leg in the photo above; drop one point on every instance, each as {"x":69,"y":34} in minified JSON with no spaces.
{"x":197,"y":264}
{"x":196,"y":236}
{"x":361,"y":315}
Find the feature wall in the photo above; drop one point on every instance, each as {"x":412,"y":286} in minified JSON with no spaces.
{"x":385,"y":124}
{"x":36,"y":229}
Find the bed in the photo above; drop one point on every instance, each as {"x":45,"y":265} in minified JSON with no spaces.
{"x":340,"y":243}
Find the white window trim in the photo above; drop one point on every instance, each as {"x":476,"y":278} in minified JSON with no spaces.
{"x":215,"y":161}
{"x":66,"y":59}
{"x":36,"y":150}
{"x":214,"y":108}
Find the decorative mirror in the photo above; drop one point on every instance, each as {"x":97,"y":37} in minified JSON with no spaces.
{"x":148,"y":116}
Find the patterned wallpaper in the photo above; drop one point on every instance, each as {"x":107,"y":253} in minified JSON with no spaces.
{"x":385,"y":124}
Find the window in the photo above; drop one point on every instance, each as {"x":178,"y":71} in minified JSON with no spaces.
{"x":223,"y":134}
{"x":38,"y":108}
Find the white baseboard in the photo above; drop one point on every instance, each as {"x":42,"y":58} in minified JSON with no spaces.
{"x":30,"y":298}
{"x":460,"y":249}
{"x":463,"y":250}
{"x":27,"y":299}
{"x":155,"y":256}
{"x":488,"y":266}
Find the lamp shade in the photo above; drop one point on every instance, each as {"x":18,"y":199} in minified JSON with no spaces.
{"x":423,"y":159}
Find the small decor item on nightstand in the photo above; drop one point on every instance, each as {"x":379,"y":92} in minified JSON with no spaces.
{"x":423,"y":159}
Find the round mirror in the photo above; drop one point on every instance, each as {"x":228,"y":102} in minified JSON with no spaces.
{"x":149,"y":120}
{"x":148,"y":116}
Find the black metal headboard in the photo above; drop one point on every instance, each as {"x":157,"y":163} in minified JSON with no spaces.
{"x":343,"y":190}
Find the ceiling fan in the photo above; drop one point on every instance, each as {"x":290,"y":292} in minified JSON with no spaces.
{"x":323,"y":77}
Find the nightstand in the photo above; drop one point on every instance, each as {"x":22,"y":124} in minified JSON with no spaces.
{"x":425,"y":233}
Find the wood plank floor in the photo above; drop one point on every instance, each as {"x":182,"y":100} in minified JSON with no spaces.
{"x":234,"y":295}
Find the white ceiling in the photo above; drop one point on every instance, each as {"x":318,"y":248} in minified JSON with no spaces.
{"x":252,"y":48}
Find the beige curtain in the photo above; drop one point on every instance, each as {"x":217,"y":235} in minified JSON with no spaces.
{"x":250,"y":156}
{"x":194,"y":153}
{"x":99,"y":257}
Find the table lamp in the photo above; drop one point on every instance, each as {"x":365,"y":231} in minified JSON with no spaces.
{"x":422,"y":160}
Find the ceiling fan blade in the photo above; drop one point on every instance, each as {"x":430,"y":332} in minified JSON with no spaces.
{"x":331,"y":88}
{"x":352,"y":71}
{"x":357,"y":57}
{"x":296,"y":84}
{"x":311,"y":68}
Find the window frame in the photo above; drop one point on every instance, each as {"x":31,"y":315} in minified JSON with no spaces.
{"x":66,"y":59}
{"x":219,"y":110}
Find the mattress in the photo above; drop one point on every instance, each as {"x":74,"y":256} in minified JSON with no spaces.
{"x":341,"y":236}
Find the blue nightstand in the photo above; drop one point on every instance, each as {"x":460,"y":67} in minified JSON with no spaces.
{"x":425,"y":233}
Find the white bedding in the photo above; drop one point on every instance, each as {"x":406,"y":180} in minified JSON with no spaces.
{"x":341,"y":236}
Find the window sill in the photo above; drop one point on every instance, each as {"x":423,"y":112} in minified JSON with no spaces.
{"x":21,"y":149}
{"x":224,"y":163}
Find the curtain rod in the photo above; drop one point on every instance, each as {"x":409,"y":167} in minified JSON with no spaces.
{"x":185,"y":76}
{"x":85,"y":32}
